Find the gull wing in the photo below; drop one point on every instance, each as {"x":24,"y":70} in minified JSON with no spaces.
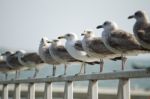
{"x":13,"y":61}
{"x":62,"y":52}
{"x":97,"y":45}
{"x":144,"y":34}
{"x":78,"y":45}
{"x":32,"y":57}
{"x":123,"y":40}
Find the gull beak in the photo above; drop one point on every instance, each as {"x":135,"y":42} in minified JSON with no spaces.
{"x":61,"y":37}
{"x":130,"y":17}
{"x":49,"y":42}
{"x":82,"y":34}
{"x":99,"y":26}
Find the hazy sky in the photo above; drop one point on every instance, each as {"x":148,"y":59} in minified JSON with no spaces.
{"x":24,"y":22}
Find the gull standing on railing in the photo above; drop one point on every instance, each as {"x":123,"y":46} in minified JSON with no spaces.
{"x":120,"y":41}
{"x":29,"y":60}
{"x":95,"y":47}
{"x":13,"y":62}
{"x":141,"y":28}
{"x":5,"y":68}
{"x":45,"y":53}
{"x":60,"y":54}
{"x":75,"y":49}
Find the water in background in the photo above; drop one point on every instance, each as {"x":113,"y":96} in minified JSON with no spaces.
{"x":109,"y":66}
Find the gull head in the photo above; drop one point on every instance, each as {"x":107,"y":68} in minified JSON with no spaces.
{"x":108,"y":26}
{"x":7,"y":53}
{"x":44,"y":41}
{"x":56,"y":42}
{"x":139,"y":16}
{"x":20,"y":53}
{"x":69,"y":36}
{"x":88,"y":33}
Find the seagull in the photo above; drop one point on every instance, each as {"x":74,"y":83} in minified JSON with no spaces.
{"x":95,"y":47}
{"x":141,"y":28}
{"x":4,"y":68}
{"x":75,"y":49}
{"x":120,"y":41}
{"x":45,"y":53}
{"x":60,"y":54}
{"x":29,"y":60}
{"x":13,"y":62}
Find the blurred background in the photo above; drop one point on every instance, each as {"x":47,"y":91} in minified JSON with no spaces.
{"x":24,"y":22}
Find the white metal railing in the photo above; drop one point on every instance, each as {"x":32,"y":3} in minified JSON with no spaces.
{"x":123,"y":87}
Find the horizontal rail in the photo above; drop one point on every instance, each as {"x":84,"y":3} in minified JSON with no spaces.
{"x":101,"y":76}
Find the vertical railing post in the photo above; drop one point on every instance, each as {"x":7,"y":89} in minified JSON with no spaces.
{"x":48,"y":91}
{"x":17,"y":91}
{"x":5,"y":94}
{"x":124,"y":89}
{"x":93,"y":89}
{"x":31,"y":91}
{"x":68,"y":91}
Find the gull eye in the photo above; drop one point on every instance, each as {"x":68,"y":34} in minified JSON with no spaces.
{"x":55,"y":40}
{"x":105,"y":23}
{"x":68,"y":35}
{"x":47,"y":41}
{"x":139,"y":13}
{"x":88,"y":32}
{"x":136,"y":14}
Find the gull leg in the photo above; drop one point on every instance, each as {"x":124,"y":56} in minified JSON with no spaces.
{"x":6,"y":76}
{"x":124,"y":59}
{"x":65,"y":69}
{"x":101,"y":65}
{"x":16,"y":76}
{"x":35,"y":74}
{"x":80,"y":69}
{"x":54,"y":70}
{"x":84,"y":64}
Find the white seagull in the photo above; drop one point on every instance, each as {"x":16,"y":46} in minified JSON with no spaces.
{"x":141,"y":28}
{"x":60,"y":54}
{"x":45,"y":53}
{"x":75,"y":49}
{"x":95,"y":47}
{"x":29,"y":60}
{"x":120,"y":41}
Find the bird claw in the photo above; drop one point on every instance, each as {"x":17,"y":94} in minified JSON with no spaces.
{"x":49,"y":76}
{"x":95,"y":72}
{"x":116,"y":70}
{"x":79,"y":74}
{"x":31,"y":77}
{"x":61,"y":75}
